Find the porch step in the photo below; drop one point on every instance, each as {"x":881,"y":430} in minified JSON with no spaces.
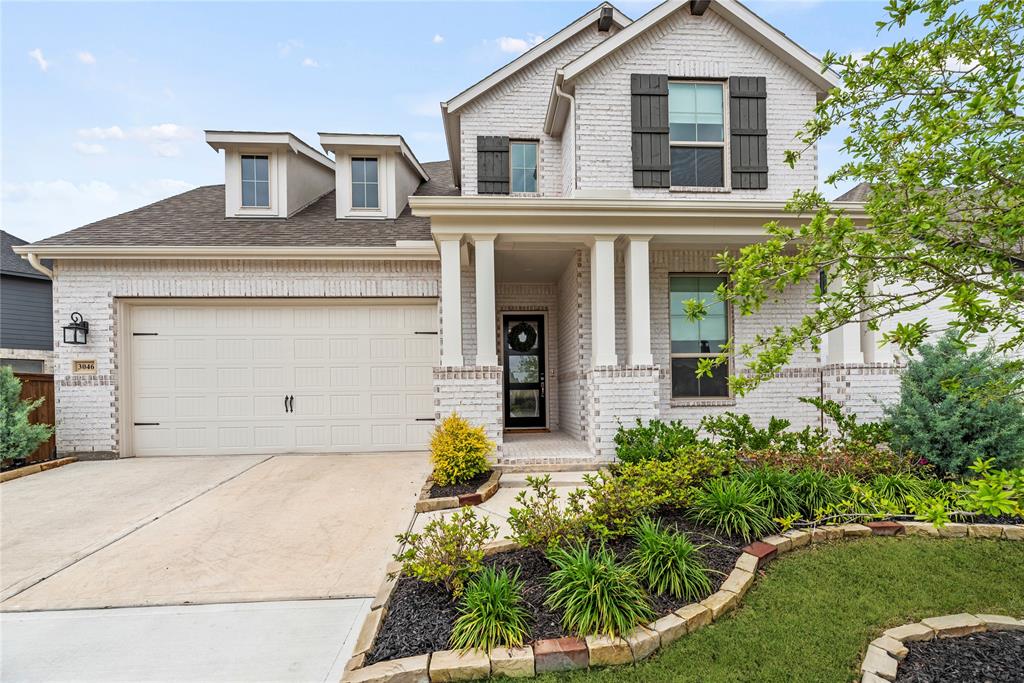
{"x":533,"y":465}
{"x":517,"y":480}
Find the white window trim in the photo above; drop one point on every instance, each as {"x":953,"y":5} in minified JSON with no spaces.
{"x":242,"y":180}
{"x":368,"y":210}
{"x":533,"y":141}
{"x":724,"y":144}
{"x":682,"y":401}
{"x":272,"y":176}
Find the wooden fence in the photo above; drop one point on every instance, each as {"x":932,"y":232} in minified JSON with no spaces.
{"x":33,"y":386}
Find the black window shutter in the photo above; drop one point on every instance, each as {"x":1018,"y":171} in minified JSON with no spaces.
{"x":492,"y":174}
{"x":748,"y":123}
{"x":652,"y":161}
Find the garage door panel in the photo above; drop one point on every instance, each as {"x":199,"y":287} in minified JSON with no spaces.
{"x":215,"y":377}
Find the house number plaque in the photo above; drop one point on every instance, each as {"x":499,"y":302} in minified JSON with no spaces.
{"x":83,"y":367}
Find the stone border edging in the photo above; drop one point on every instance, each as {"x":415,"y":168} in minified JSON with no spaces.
{"x":886,"y":651}
{"x":567,"y":653}
{"x":34,"y":468}
{"x":483,"y":492}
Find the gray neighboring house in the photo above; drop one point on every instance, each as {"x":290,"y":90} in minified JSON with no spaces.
{"x":26,"y":311}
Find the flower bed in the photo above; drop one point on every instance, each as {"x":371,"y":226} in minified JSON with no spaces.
{"x":474,"y":491}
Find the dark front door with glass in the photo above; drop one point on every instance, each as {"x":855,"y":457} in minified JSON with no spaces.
{"x":524,"y":371}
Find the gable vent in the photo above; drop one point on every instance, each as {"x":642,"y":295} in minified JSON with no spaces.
{"x":604,"y":22}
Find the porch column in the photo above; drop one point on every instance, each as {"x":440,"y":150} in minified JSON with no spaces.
{"x":602,"y":301}
{"x":486,"y":343}
{"x":844,"y":343}
{"x":451,"y":300}
{"x":638,"y":301}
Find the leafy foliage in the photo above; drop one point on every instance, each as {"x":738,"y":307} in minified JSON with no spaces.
{"x":667,"y":562}
{"x":731,"y":506}
{"x":596,"y":595}
{"x":609,"y":505}
{"x":491,"y":613}
{"x":776,"y":488}
{"x":448,"y":551}
{"x":656,"y":440}
{"x":538,"y":522}
{"x":944,"y":416}
{"x":738,"y":433}
{"x":459,"y":451}
{"x":18,"y":437}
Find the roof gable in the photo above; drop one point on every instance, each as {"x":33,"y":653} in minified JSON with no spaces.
{"x":13,"y":264}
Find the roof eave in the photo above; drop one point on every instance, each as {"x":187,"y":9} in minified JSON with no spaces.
{"x":405,"y":251}
{"x":226,"y":139}
{"x":333,"y":141}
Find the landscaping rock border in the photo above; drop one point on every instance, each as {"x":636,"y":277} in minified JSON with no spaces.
{"x":34,"y":468}
{"x":563,"y":654}
{"x":484,"y":492}
{"x":885,"y":652}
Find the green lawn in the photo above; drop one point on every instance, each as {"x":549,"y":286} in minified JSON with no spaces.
{"x":812,"y":615}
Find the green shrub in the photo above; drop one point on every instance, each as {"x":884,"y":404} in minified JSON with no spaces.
{"x":738,"y":433}
{"x":819,"y":492}
{"x":776,"y":488}
{"x":538,"y":522}
{"x":656,"y":440}
{"x":731,"y":506}
{"x":668,"y":482}
{"x":948,"y":415}
{"x":597,"y":596}
{"x":668,"y":562}
{"x":491,"y":613}
{"x":898,"y":488}
{"x":448,"y":551}
{"x":459,"y":451}
{"x":609,"y":506}
{"x":18,"y":437}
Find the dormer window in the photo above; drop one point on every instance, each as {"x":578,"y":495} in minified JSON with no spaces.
{"x":696,"y":116}
{"x":365,"y":183}
{"x":255,"y":181}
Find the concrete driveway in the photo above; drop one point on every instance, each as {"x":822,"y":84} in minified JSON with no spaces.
{"x":229,"y":531}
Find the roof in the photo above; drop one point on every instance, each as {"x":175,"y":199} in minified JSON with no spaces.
{"x":12,"y":264}
{"x":196,"y":219}
{"x":857,"y":193}
{"x":332,"y":142}
{"x":223,"y":139}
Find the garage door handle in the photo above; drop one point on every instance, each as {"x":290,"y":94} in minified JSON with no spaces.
{"x":424,"y":419}
{"x":291,"y":404}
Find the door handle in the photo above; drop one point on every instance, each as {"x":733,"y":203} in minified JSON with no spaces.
{"x":542,"y":383}
{"x":286,"y":403}
{"x":291,"y":404}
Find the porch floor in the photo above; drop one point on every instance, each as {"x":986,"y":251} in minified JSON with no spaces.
{"x":554,"y":449}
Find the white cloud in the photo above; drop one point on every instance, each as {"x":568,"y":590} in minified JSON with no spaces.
{"x":437,"y":39}
{"x":86,"y":57}
{"x":97,"y":133}
{"x":163,"y":131}
{"x":38,"y":209}
{"x":89,"y":148}
{"x":518,"y":45}
{"x":284,"y":49}
{"x":310,"y":62}
{"x":166,"y":149}
{"x":37,"y":55}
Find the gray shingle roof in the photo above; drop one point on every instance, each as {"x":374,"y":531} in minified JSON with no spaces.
{"x":196,"y":218}
{"x":13,"y":264}
{"x":857,"y":193}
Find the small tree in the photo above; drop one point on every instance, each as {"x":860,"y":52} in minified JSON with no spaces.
{"x":946,"y":415}
{"x":18,"y":436}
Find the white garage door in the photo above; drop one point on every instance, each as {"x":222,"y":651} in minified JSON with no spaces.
{"x":281,"y":378}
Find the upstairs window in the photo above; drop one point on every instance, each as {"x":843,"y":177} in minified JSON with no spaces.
{"x":695,"y":339}
{"x":364,"y":183}
{"x":696,"y":116}
{"x":255,"y":181}
{"x":524,"y":167}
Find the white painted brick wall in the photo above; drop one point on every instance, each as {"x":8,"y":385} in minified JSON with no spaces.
{"x":30,"y":354}
{"x":87,"y":406}
{"x":685,"y":46}
{"x":617,"y":397}
{"x":473,"y":393}
{"x":863,"y":389}
{"x":570,"y":349}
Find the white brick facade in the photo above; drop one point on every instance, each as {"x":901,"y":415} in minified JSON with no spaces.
{"x":475,"y":393}
{"x":30,"y":354}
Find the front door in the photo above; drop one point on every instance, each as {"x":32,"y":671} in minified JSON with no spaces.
{"x":523,"y":337}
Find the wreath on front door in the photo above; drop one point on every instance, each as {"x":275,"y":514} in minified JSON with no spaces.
{"x":522,"y":337}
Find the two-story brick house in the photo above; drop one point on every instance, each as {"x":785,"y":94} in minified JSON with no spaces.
{"x":343,"y":301}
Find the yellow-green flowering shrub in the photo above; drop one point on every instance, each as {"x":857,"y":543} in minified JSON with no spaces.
{"x":459,"y":451}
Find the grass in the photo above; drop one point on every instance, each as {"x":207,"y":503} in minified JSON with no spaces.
{"x":812,"y":615}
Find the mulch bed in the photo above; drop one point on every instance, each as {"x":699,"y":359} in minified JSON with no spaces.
{"x":460,"y":489}
{"x":13,"y":464}
{"x":420,"y":616}
{"x":991,"y":657}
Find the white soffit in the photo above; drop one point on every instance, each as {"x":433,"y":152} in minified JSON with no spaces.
{"x":332,"y":142}
{"x":236,"y":139}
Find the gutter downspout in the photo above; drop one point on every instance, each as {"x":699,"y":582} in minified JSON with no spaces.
{"x":33,"y":261}
{"x":572,"y":116}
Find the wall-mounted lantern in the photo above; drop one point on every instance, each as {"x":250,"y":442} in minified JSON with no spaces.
{"x":77,"y":331}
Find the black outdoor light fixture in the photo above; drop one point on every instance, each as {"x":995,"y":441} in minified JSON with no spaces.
{"x":77,"y":331}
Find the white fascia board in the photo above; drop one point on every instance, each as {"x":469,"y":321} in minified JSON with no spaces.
{"x":332,"y":142}
{"x":230,"y":139}
{"x":452,"y":136}
{"x":754,"y":26}
{"x":418,"y":250}
{"x":533,"y":54}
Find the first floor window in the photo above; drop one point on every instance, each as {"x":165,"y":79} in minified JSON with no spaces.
{"x":692,"y":340}
{"x":255,"y":180}
{"x":696,"y":116}
{"x":364,"y":183}
{"x":524,"y":166}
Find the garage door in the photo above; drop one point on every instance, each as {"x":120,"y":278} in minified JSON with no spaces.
{"x":280,"y":378}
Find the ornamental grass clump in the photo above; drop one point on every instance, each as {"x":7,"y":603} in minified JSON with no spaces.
{"x":668,"y":563}
{"x":491,"y":613}
{"x":732,"y":507}
{"x":597,"y":596}
{"x":776,"y":487}
{"x":459,"y":451}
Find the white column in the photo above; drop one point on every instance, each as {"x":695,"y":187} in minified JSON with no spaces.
{"x":451,"y":300}
{"x":602,"y":301}
{"x":486,"y":342}
{"x":844,"y":343}
{"x":638,"y":301}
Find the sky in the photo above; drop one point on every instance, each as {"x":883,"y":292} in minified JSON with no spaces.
{"x":104,"y":104}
